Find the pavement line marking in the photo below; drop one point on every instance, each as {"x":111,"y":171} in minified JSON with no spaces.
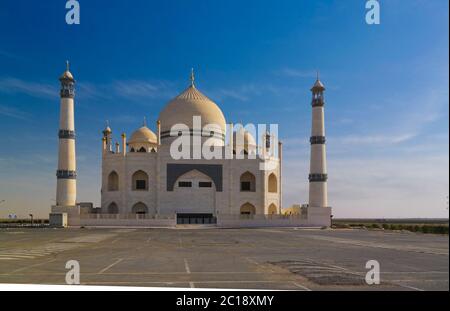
{"x":110,"y":266}
{"x":409,"y":287}
{"x":32,"y":266}
{"x":186,"y":266}
{"x":301,"y":286}
{"x":191,"y":284}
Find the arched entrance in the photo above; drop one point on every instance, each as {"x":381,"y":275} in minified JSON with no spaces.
{"x":247,"y":209}
{"x":273,"y":210}
{"x":113,"y":208}
{"x":194,"y":197}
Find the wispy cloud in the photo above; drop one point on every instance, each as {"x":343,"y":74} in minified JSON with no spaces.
{"x":36,"y":89}
{"x":377,"y":139}
{"x":140,"y":89}
{"x":297,"y":73}
{"x":13,"y":113}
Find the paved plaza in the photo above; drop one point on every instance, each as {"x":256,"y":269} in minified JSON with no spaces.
{"x":293,"y":259}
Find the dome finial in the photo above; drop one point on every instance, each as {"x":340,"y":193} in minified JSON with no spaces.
{"x":67,"y":65}
{"x":144,"y":123}
{"x":318,"y":75}
{"x":192,"y":77}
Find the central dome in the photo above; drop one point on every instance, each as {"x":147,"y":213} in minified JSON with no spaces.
{"x":188,"y":104}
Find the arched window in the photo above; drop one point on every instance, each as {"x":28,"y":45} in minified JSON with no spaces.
{"x":113,"y":181}
{"x":273,"y":184}
{"x":248,"y":209}
{"x":248,"y":182}
{"x":131,"y":149}
{"x":113,"y":208}
{"x":140,"y":181}
{"x":139,"y":208}
{"x":142,"y":150}
{"x":273,"y":209}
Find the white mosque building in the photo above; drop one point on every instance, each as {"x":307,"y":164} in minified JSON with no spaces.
{"x":187,"y":170}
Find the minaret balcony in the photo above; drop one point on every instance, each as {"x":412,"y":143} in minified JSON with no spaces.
{"x":318,"y":102}
{"x":318,"y":177}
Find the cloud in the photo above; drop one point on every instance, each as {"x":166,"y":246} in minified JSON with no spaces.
{"x":36,"y":89}
{"x":13,"y":113}
{"x":140,"y":89}
{"x":389,"y":186}
{"x":372,"y":140}
{"x":296,"y":73}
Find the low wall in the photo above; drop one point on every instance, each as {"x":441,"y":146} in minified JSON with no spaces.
{"x":121,"y":220}
{"x":238,"y":221}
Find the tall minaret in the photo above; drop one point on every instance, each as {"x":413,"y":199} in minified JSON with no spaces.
{"x":318,"y":196}
{"x":66,"y":188}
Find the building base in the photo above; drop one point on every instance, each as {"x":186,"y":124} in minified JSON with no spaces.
{"x":319,"y":216}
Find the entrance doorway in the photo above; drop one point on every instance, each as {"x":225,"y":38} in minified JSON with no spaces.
{"x":195,"y":219}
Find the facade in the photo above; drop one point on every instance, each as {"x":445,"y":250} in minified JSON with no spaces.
{"x":141,"y":175}
{"x":189,"y":169}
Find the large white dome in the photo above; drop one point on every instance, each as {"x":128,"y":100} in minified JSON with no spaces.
{"x":188,"y":104}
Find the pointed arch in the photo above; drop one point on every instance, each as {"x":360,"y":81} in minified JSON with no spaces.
{"x":247,"y":182}
{"x":142,"y":149}
{"x":139,"y":208}
{"x":247,"y":209}
{"x":140,"y":181}
{"x":113,"y":181}
{"x":273,"y":210}
{"x":273,"y":183}
{"x":113,"y":208}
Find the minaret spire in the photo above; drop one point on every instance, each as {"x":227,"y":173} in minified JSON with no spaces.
{"x":67,"y":65}
{"x":192,"y":78}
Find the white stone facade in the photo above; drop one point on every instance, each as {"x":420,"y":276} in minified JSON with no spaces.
{"x":194,"y":199}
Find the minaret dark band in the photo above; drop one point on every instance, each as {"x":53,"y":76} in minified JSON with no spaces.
{"x":317,"y":140}
{"x":318,"y":102}
{"x":66,"y":174}
{"x":318,"y":177}
{"x":66,"y":134}
{"x":67,"y":88}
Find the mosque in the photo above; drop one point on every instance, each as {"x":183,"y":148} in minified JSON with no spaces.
{"x":187,"y":168}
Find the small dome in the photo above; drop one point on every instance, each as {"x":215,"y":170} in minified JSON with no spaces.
{"x":188,"y":104}
{"x":244,"y":139}
{"x":143,"y":135}
{"x":67,"y":75}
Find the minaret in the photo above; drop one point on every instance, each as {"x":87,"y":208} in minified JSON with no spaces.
{"x":318,"y":196}
{"x":107,"y":138}
{"x":66,"y":188}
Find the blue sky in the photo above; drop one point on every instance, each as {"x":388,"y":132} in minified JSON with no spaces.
{"x":387,"y":90}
